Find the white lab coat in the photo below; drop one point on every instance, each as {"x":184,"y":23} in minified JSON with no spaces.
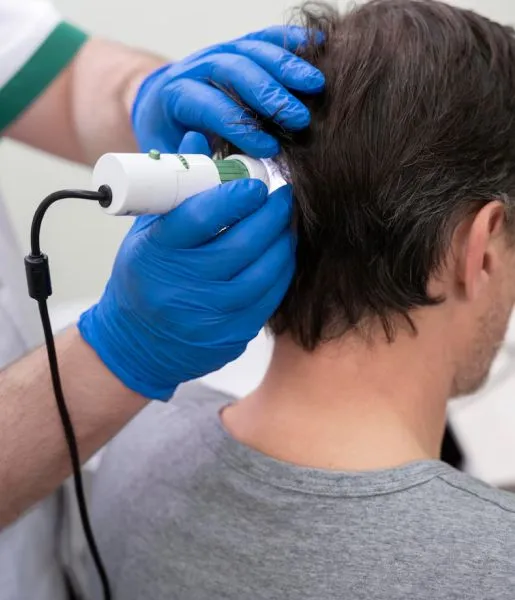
{"x":29,"y":569}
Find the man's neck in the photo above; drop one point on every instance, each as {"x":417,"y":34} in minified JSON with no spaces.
{"x":347,"y":406}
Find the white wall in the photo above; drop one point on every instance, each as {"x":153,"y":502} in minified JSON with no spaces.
{"x":77,"y":231}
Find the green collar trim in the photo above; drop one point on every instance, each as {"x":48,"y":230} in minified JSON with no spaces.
{"x":44,"y":66}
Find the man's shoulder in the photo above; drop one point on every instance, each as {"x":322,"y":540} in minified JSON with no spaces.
{"x":482,"y":516}
{"x":170,"y":436}
{"x":463,"y":487}
{"x":162,"y":425}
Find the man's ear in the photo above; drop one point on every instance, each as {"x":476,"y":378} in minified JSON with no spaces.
{"x":478,"y":247}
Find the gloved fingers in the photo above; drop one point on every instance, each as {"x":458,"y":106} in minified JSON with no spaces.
{"x":248,"y":240}
{"x":200,"y":218}
{"x":257,"y":88}
{"x":266,"y":307}
{"x":290,"y":37}
{"x":201,"y":107}
{"x":286,"y":68}
{"x":275,"y":265}
{"x":194,"y":143}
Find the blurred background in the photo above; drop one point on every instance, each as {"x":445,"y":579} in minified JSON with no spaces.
{"x":484,"y":424}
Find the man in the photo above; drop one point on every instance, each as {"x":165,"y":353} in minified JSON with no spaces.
{"x":324,"y":483}
{"x":78,"y":97}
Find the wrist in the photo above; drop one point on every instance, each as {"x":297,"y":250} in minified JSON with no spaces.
{"x":99,"y":402}
{"x":112,"y":339}
{"x":78,"y":351}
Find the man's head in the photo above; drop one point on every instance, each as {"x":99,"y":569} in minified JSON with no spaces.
{"x":405,"y":181}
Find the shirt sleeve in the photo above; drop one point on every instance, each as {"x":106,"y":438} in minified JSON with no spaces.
{"x":35,"y":46}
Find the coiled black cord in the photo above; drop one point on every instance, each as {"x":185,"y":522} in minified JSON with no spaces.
{"x":40,"y":288}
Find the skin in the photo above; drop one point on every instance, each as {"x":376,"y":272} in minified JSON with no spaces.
{"x":62,"y":121}
{"x":321,"y":409}
{"x":33,"y":455}
{"x":99,"y":404}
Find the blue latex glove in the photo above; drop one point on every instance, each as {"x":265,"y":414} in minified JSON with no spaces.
{"x":258,"y":68}
{"x":183,"y":301}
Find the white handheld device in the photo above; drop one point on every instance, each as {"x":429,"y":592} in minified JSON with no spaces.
{"x":156,"y":183}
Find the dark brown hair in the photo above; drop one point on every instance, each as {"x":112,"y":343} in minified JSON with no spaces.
{"x":415,"y":130}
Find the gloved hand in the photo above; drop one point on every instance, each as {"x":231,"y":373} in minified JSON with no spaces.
{"x":258,"y":68}
{"x":183,"y":301}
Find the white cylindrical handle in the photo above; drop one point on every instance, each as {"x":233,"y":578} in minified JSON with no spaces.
{"x":153,"y":183}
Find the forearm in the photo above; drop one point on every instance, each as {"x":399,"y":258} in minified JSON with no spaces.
{"x":106,"y":77}
{"x":86,"y":111}
{"x":33,"y":454}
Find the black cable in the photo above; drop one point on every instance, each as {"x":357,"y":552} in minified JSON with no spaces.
{"x":103,"y":194}
{"x":72,"y":447}
{"x":38,"y":279}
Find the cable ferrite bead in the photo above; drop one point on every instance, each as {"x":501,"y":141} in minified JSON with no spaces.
{"x":38,"y":276}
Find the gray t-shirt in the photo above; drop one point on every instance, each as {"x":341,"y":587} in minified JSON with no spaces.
{"x":184,"y":512}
